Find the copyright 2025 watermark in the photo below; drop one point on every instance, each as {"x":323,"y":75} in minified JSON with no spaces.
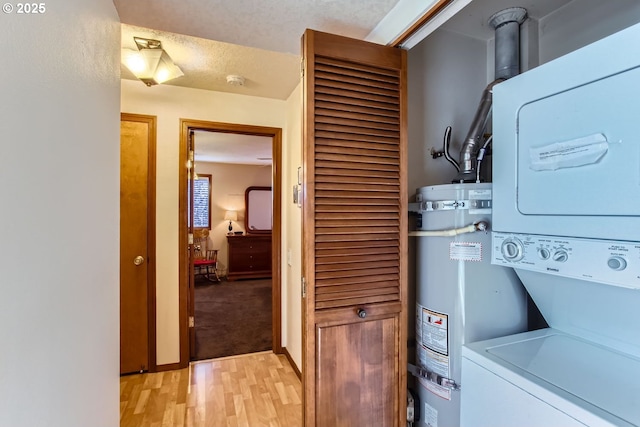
{"x":24,"y":8}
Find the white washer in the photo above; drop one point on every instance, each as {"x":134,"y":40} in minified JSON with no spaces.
{"x":585,"y":369}
{"x":548,"y":378}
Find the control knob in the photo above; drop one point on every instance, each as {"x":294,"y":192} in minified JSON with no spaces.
{"x":617,"y":263}
{"x":512,"y":249}
{"x":560,"y":255}
{"x":544,"y":253}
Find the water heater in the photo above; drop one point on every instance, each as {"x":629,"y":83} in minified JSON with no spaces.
{"x":460,"y":296}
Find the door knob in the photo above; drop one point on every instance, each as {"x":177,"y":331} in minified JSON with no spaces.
{"x":362,"y":313}
{"x":138,"y":260}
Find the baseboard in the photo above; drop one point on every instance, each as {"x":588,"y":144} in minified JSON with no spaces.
{"x":293,"y":364}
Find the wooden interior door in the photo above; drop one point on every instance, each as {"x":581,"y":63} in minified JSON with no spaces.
{"x":354,"y":232}
{"x":191,"y":303}
{"x":137,"y":243}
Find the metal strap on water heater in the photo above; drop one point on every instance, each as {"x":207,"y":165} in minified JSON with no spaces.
{"x":424,"y":373}
{"x":447,"y":205}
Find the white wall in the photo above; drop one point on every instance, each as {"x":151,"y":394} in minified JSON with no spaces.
{"x":444,"y":90}
{"x":292,"y":231}
{"x":447,"y":74}
{"x":59,"y":227}
{"x":170,"y":104}
{"x":228,"y":184}
{"x":582,"y":22}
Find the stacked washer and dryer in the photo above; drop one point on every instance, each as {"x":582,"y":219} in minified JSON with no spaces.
{"x":567,"y":219}
{"x":564,"y":210}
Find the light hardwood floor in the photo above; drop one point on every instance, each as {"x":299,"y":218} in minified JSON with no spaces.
{"x":254,"y":390}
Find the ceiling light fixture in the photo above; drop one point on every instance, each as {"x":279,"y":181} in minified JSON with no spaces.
{"x":235,"y":80}
{"x":150,"y":63}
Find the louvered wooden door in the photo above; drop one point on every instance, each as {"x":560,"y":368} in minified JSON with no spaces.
{"x":354,"y":222}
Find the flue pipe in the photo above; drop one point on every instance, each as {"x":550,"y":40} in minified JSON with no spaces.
{"x":507,"y":41}
{"x":507,"y":64}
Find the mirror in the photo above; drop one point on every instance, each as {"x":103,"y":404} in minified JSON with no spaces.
{"x":258,"y":210}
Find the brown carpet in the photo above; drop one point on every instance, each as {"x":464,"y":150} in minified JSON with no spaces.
{"x":232,"y":317}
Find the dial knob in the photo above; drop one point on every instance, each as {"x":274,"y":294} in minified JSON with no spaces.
{"x":617,"y":263}
{"x":512,"y":249}
{"x":544,"y":253}
{"x":560,"y":255}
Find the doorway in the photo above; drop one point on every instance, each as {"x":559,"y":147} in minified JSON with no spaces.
{"x":232,"y":305}
{"x":186,"y":287}
{"x":137,"y":243}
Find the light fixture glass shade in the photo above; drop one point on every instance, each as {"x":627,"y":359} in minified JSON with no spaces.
{"x":231,"y":216}
{"x":152,"y":66}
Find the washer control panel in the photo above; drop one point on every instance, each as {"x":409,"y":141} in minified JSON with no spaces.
{"x":606,"y":261}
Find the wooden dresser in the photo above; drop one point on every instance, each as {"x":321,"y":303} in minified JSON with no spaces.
{"x":249,"y":256}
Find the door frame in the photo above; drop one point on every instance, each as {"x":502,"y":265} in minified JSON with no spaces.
{"x":151,"y":121}
{"x":186,"y":126}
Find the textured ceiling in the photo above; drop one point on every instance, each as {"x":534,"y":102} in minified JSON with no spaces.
{"x":274,"y":25}
{"x":206,"y":64}
{"x":256,"y":39}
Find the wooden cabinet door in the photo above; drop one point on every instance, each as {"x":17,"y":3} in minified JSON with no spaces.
{"x":354,"y":233}
{"x":357,"y":368}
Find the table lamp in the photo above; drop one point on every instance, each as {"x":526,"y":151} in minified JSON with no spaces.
{"x":231,"y":216}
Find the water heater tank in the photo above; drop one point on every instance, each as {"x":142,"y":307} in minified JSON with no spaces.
{"x":460,"y":296}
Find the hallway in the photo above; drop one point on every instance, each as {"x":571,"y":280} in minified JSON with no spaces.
{"x":252,"y":390}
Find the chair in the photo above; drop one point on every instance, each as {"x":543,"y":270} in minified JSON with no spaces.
{"x":205,"y":261}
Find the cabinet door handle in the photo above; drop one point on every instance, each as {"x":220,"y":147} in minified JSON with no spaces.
{"x":362,"y":313}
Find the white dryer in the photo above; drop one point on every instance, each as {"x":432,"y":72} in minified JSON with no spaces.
{"x":566,"y":217}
